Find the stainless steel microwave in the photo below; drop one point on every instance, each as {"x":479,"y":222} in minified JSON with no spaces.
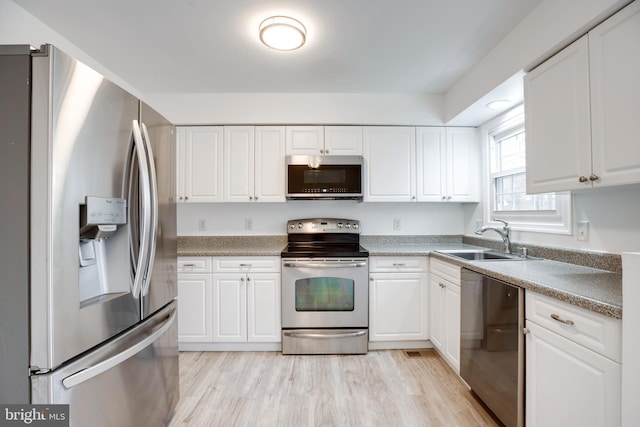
{"x":324,"y":177}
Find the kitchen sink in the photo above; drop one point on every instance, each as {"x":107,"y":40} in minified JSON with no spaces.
{"x":484,"y":255}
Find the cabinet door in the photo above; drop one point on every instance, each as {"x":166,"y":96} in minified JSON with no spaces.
{"x":452,"y":325}
{"x":263,"y":308}
{"x":398,"y":307}
{"x":229,"y":307}
{"x":431,"y":170}
{"x":305,"y":140}
{"x":462,"y":165}
{"x":199,"y":164}
{"x":390,"y":154}
{"x":194,"y":308}
{"x":269,"y":164}
{"x":558,"y":124}
{"x":343,"y":140}
{"x":238,"y":163}
{"x":614,"y":58}
{"x":437,"y":311}
{"x":567,"y":384}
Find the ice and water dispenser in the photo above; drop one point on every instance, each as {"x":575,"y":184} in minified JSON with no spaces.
{"x":100,"y":247}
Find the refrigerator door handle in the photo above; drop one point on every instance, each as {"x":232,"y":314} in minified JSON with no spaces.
{"x":95,"y":370}
{"x":140,"y":267}
{"x":153,"y":181}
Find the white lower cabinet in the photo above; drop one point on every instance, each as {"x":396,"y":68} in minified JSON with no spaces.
{"x":570,"y":381}
{"x":444,"y":283}
{"x":194,"y":300}
{"x":237,"y":309}
{"x":398,"y":301}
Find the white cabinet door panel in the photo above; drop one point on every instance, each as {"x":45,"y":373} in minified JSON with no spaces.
{"x":194,"y":308}
{"x":230,"y":308}
{"x":269,"y":164}
{"x":558,"y":121}
{"x":263,"y":308}
{"x":238,"y":163}
{"x":567,"y":384}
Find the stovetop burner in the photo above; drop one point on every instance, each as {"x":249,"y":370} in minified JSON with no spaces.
{"x":324,"y":238}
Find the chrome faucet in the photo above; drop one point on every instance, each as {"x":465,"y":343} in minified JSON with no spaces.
{"x":504,"y":232}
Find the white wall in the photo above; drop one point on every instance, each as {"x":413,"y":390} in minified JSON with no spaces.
{"x":300,"y":108}
{"x":271,"y":218}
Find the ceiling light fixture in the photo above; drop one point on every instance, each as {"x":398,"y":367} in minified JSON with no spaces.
{"x":282,"y":33}
{"x":498,"y":104}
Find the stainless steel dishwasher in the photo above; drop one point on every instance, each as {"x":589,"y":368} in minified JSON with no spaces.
{"x":492,"y":344}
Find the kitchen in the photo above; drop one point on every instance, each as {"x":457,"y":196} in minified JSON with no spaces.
{"x":611,"y":230}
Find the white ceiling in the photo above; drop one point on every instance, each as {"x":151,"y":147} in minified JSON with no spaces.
{"x":354,"y":46}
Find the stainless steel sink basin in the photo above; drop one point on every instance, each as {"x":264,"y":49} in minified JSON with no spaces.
{"x":483,"y":255}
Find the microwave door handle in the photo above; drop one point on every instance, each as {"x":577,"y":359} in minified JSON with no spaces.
{"x":153,"y":208}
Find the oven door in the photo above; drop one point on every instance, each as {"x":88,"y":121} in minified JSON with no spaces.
{"x":325,"y":293}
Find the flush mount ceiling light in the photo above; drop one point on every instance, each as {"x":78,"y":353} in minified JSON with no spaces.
{"x":282,"y":33}
{"x":498,"y":104}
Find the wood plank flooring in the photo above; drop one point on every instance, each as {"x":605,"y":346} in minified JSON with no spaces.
{"x":382,"y":388}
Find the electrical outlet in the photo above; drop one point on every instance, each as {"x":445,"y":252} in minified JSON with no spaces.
{"x":202,"y":224}
{"x":583,"y":231}
{"x":248,"y":224}
{"x":396,"y":224}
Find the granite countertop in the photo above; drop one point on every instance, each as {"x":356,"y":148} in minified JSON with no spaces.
{"x":591,"y":288}
{"x":595,"y":289}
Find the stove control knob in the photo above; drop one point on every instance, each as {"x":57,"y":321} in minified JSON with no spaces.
{"x":292,"y":226}
{"x":340,"y":225}
{"x":356,"y":226}
{"x":299,"y":225}
{"x":348,"y":225}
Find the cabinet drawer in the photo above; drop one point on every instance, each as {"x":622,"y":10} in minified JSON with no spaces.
{"x":445,"y":270}
{"x":198,"y":264}
{"x":595,"y":331}
{"x":391,"y":264}
{"x":246,"y":264}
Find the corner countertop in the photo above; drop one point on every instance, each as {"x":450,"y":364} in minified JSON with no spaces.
{"x":591,"y":288}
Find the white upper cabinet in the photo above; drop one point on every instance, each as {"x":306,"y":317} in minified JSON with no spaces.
{"x":199,"y":164}
{"x":305,"y":140}
{"x":269,"y":163}
{"x":389,"y":154}
{"x":614,"y":55}
{"x":447,"y":164}
{"x":343,"y":140}
{"x":254,"y":164}
{"x":324,"y":140}
{"x":581,"y":108}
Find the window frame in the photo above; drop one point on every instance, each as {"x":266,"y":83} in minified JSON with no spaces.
{"x":557,"y":221}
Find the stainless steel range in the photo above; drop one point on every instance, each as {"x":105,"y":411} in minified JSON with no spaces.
{"x":325,"y":290}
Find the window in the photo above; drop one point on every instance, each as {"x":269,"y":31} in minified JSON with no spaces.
{"x":508,"y":199}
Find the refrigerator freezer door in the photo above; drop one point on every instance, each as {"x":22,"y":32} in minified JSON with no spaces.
{"x":129,"y":381}
{"x":81,"y":136}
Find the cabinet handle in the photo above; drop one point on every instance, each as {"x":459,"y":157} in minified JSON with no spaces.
{"x":561,"y":320}
{"x":245,"y":265}
{"x":255,"y":198}
{"x":248,"y":279}
{"x":250,"y":197}
{"x":582,"y":179}
{"x":186,"y":197}
{"x":444,"y":197}
{"x":321,"y":151}
{"x":526,"y":331}
{"x":188,"y":265}
{"x":448,"y":197}
{"x":398,"y":264}
{"x":242,"y":279}
{"x":593,"y":177}
{"x":442,"y":285}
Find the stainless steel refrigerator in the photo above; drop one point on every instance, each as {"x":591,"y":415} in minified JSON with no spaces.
{"x":88,"y":263}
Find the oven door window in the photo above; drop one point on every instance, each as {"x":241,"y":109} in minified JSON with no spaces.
{"x":325,"y":294}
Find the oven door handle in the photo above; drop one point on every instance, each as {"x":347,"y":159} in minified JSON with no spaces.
{"x":325,"y":265}
{"x":311,"y":335}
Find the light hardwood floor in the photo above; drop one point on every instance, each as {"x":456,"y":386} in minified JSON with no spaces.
{"x":382,"y":388}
